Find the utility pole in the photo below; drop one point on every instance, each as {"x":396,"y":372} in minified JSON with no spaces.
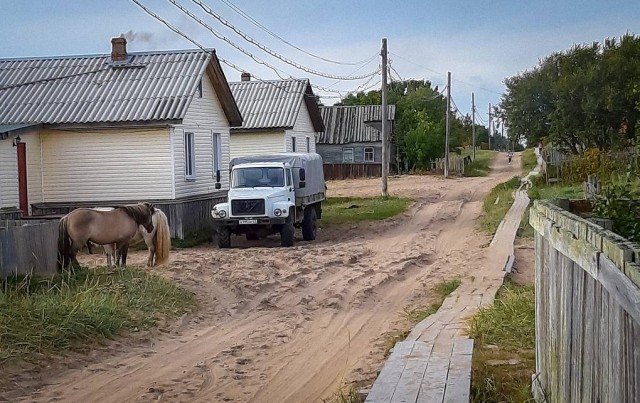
{"x":385,"y":157}
{"x":473,"y":124}
{"x":446,"y":135}
{"x":490,"y":125}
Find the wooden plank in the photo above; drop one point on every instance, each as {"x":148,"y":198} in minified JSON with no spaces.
{"x":435,"y":377}
{"x":566,"y":352}
{"x":411,"y":379}
{"x":577,"y":346}
{"x":620,"y":287}
{"x":458,"y":388}
{"x":385,"y":385}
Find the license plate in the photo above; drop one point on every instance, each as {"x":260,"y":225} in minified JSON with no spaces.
{"x":248,"y":221}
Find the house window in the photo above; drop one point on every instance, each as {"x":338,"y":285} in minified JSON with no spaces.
{"x":189,"y":156}
{"x":368,"y":154}
{"x":293,"y":144}
{"x":347,"y":155}
{"x":216,"y":148}
{"x":199,"y":90}
{"x":308,"y":144}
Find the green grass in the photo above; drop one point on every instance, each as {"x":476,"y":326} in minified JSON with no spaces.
{"x":193,"y":239}
{"x":338,"y":210}
{"x":528,"y":160}
{"x":44,"y":316}
{"x":347,"y":394}
{"x":480,"y":167}
{"x":508,"y":327}
{"x":497,"y":203}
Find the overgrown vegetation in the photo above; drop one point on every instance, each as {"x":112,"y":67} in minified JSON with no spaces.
{"x":193,"y":239}
{"x":504,"y":356}
{"x":338,"y":210}
{"x":528,"y":160}
{"x":49,"y":315}
{"x":497,"y":203}
{"x":347,"y":394}
{"x":480,"y":167}
{"x":586,"y":96}
{"x":616,"y":202}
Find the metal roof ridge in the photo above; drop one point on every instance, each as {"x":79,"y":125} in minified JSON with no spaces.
{"x":99,"y":55}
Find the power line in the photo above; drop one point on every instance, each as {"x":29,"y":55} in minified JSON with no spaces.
{"x":249,"y":39}
{"x":273,"y":34}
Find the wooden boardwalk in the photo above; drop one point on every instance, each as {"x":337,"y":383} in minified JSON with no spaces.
{"x":433,"y":364}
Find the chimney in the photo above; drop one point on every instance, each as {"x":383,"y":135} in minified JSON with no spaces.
{"x":118,"y":49}
{"x":245,"y":77}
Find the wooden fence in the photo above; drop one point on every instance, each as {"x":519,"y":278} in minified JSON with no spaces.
{"x":587,"y":310}
{"x":457,"y":164}
{"x":345,"y":171}
{"x":28,"y":246}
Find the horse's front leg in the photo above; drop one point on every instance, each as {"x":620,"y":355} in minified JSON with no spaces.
{"x":152,"y":254}
{"x":123,"y":249}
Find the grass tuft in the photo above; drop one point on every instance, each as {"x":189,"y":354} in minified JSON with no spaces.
{"x":497,"y":203}
{"x":48,"y":315}
{"x":193,"y":239}
{"x":346,"y":395}
{"x":504,"y":356}
{"x":528,"y":159}
{"x":480,"y":167}
{"x":338,"y":210}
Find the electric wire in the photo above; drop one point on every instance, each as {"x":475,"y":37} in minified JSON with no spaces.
{"x":254,"y":42}
{"x":273,"y":34}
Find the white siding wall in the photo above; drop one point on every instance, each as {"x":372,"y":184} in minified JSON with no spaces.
{"x":204,"y":117}
{"x":122,"y":164}
{"x":243,"y":144}
{"x":8,"y":174}
{"x":302,"y":130}
{"x":34,"y":166}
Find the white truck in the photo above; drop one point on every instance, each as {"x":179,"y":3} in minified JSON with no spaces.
{"x":271,"y":194}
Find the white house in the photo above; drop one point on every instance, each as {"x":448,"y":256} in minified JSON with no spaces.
{"x":278,"y":116}
{"x":111,"y":129}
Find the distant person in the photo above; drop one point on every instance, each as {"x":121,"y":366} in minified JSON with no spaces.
{"x":510,"y":155}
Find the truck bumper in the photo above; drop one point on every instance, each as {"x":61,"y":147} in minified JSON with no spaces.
{"x":250,"y":222}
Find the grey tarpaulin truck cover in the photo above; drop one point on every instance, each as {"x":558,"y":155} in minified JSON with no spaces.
{"x":314,"y":189}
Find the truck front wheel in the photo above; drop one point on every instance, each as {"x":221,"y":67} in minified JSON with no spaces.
{"x":287,"y":232}
{"x":309,"y":224}
{"x":224,"y":237}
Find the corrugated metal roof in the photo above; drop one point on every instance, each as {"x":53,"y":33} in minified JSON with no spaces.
{"x":269,"y":104}
{"x":346,"y":124}
{"x":87,"y":89}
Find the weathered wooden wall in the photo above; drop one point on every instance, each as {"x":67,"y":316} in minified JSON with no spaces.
{"x":587,"y":310}
{"x":28,"y":247}
{"x":345,"y":171}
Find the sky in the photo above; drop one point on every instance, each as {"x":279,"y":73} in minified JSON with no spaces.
{"x":480,"y":43}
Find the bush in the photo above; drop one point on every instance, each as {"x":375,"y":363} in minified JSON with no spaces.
{"x":616,"y":202}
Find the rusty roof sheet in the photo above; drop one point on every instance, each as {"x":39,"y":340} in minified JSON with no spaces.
{"x":347,"y":124}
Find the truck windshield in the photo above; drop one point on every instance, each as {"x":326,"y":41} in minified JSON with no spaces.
{"x":257,"y":177}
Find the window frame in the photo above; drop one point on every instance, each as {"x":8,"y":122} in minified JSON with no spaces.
{"x":293,"y":144}
{"x":373,"y":154}
{"x":344,"y":161}
{"x":189,"y":139}
{"x":308,"y":144}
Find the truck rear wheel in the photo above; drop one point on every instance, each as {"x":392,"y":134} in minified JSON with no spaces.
{"x":224,"y":237}
{"x":287,"y":232}
{"x":309,"y":224}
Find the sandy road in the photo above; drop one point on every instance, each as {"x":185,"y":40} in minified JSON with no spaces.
{"x":288,"y":324}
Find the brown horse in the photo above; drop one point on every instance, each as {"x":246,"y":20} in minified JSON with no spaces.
{"x":117,"y":227}
{"x":158,"y":241}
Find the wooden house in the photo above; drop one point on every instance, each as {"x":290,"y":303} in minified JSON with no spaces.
{"x":278,"y":116}
{"x":117,"y":128}
{"x":351,"y":144}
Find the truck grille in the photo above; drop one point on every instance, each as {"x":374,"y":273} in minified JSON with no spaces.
{"x":247,"y":207}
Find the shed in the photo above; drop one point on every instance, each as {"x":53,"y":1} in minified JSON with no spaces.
{"x":351,"y":144}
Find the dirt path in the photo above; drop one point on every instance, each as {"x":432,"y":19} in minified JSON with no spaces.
{"x":289,"y":325}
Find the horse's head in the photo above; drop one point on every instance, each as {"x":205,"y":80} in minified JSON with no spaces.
{"x":147,"y":223}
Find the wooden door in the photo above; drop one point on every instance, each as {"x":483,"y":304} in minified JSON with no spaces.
{"x":22,"y":178}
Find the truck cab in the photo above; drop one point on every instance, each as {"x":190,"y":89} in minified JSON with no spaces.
{"x":267,"y":196}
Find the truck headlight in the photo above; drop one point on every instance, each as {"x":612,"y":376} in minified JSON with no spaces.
{"x":222,"y":214}
{"x":277,"y":212}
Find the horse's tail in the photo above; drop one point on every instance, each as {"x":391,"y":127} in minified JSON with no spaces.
{"x":64,"y":244}
{"x":162,"y":240}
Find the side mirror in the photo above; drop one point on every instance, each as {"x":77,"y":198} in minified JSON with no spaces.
{"x":302,"y":175}
{"x":218,"y":185}
{"x":218,"y":176}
